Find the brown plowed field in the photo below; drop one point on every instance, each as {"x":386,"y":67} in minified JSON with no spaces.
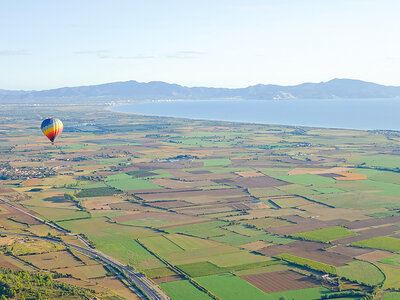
{"x":368,"y":234}
{"x":170,"y":204}
{"x":374,"y":256}
{"x":373,"y":222}
{"x":309,"y":250}
{"x":350,"y":176}
{"x":167,"y":279}
{"x":291,"y":229}
{"x":178,"y":184}
{"x":6,"y":264}
{"x":174,"y":195}
{"x":249,"y":174}
{"x":199,"y":172}
{"x":33,"y":182}
{"x":17,"y":215}
{"x":272,"y":282}
{"x":240,"y":206}
{"x":126,"y":206}
{"x":349,"y":251}
{"x":155,"y":215}
{"x":210,"y":209}
{"x":259,"y":182}
{"x":6,"y":190}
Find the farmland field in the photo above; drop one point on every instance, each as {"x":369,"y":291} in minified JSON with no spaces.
{"x":183,"y":289}
{"x":245,"y":211}
{"x":325,"y":235}
{"x":228,"y":286}
{"x":384,"y":243}
{"x":362,"y":272}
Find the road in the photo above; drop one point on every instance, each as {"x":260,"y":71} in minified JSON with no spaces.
{"x":147,"y":287}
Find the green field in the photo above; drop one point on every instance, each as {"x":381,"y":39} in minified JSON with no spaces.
{"x":379,"y":161}
{"x":392,"y":275}
{"x":237,"y":239}
{"x":383,"y":243}
{"x":190,"y":243}
{"x":204,"y":230}
{"x":305,"y":179}
{"x":328,"y":190}
{"x":393,"y":260}
{"x":228,"y":286}
{"x":362,"y":272}
{"x":216,"y":162}
{"x":58,"y":214}
{"x":325,"y":235}
{"x":125,"y":182}
{"x":312,"y":264}
{"x":160,"y":245}
{"x":303,"y":294}
{"x":183,"y":289}
{"x":390,"y":189}
{"x":391,"y":296}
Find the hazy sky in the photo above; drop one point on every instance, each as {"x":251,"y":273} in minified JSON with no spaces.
{"x":230,"y":43}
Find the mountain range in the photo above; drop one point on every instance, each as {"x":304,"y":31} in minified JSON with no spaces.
{"x":156,"y":90}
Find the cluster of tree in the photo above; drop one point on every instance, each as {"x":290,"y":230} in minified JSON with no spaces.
{"x":33,"y":285}
{"x":308,"y":263}
{"x":72,"y":198}
{"x":343,"y":294}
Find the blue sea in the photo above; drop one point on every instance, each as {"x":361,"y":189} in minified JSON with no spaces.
{"x":329,"y":113}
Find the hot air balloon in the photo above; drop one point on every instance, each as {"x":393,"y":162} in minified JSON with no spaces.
{"x":52,"y":127}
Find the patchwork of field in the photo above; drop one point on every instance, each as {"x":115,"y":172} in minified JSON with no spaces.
{"x":204,"y":209}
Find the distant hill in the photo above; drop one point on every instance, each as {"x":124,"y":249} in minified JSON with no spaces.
{"x":154,"y":90}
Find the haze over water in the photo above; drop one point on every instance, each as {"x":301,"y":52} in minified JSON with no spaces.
{"x":367,"y":114}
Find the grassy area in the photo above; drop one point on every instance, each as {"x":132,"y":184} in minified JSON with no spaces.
{"x":237,"y":239}
{"x":362,"y":272}
{"x":204,"y":230}
{"x":216,"y":162}
{"x":190,"y":243}
{"x":160,"y":245}
{"x":390,"y":189}
{"x":383,"y":243}
{"x":305,"y":179}
{"x":392,"y":275}
{"x":379,"y":161}
{"x":302,"y":294}
{"x":125,"y":182}
{"x":228,"y":286}
{"x":328,"y":190}
{"x":182,"y":290}
{"x":58,"y":214}
{"x":393,"y":260}
{"x":325,"y":234}
{"x":391,"y":296}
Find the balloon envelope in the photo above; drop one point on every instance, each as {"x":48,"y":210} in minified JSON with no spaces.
{"x":52,"y":127}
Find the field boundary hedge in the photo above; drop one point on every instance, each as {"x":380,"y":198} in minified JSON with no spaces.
{"x":312,"y":264}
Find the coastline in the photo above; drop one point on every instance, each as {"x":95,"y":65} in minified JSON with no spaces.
{"x":152,"y":109}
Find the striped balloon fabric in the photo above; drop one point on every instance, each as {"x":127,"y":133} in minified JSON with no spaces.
{"x":51,"y":128}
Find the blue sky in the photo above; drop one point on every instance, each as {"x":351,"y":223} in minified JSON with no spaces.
{"x":230,"y":43}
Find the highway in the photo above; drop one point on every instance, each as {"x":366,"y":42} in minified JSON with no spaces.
{"x":148,"y":288}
